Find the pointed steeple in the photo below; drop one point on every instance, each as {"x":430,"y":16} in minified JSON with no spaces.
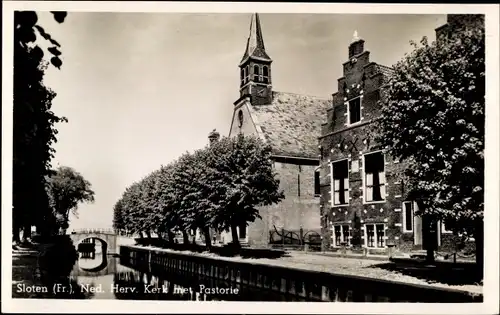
{"x":255,"y":43}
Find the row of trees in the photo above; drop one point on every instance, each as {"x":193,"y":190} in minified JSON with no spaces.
{"x":217,"y":187}
{"x":433,"y":118}
{"x":34,"y":132}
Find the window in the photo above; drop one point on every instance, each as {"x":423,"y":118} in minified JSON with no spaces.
{"x":340,"y":180}
{"x":354,"y":108}
{"x":374,"y":177}
{"x":265,"y":74}
{"x":247,"y":74}
{"x":240,"y":118}
{"x":298,"y":185}
{"x":317,"y":187}
{"x":351,"y":51}
{"x":242,"y":76}
{"x":256,"y":73}
{"x":444,"y":229}
{"x":375,"y":235}
{"x":408,"y":215}
{"x":341,"y":236}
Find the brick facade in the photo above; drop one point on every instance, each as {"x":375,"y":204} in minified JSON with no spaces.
{"x":349,"y":217}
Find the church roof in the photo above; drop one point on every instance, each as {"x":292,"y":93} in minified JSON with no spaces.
{"x":292,"y":123}
{"x":255,"y":43}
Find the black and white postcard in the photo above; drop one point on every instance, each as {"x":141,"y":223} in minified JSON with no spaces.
{"x":176,"y":157}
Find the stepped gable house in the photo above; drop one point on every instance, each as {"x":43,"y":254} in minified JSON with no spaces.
{"x":290,"y":123}
{"x":362,"y":201}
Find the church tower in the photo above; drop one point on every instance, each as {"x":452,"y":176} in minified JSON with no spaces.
{"x":255,"y":67}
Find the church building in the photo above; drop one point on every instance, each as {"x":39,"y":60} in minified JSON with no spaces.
{"x":290,"y":123}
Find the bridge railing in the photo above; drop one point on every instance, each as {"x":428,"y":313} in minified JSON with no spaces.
{"x":94,"y":231}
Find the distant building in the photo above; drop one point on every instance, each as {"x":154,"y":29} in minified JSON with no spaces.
{"x":362,"y":202}
{"x":290,"y":123}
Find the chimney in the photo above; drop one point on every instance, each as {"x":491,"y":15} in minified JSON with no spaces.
{"x":213,"y":136}
{"x":357,"y":45}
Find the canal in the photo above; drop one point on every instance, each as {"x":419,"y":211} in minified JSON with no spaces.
{"x":106,"y":277}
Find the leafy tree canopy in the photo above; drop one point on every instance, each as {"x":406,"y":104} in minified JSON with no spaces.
{"x":433,"y":119}
{"x":67,"y":188}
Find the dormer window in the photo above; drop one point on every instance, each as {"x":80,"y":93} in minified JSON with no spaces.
{"x":354,"y":110}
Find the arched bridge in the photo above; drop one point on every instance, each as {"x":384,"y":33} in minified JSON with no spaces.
{"x":106,"y":267}
{"x":108,"y":237}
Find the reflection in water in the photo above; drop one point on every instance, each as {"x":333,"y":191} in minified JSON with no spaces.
{"x":119,"y":281}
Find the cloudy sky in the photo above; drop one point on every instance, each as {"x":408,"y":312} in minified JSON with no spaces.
{"x":139,"y":89}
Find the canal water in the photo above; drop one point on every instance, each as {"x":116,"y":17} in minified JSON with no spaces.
{"x":104,"y":277}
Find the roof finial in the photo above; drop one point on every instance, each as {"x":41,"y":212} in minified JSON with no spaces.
{"x":355,"y":37}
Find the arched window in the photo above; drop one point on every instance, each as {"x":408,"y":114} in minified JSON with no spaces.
{"x":265,"y":73}
{"x":247,"y":74}
{"x":240,"y":118}
{"x":256,"y":73}
{"x":242,"y":76}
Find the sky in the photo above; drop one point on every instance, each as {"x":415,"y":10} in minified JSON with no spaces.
{"x":140,"y":89}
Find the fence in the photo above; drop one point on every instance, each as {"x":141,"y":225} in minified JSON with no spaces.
{"x":94,"y":231}
{"x":299,"y":240}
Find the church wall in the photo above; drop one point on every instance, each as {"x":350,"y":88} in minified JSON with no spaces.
{"x":300,"y":208}
{"x":248,"y":126}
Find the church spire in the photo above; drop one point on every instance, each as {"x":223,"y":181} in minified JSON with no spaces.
{"x":255,"y":43}
{"x":255,"y":67}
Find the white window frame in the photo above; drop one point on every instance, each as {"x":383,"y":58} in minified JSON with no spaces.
{"x":342,"y":225}
{"x":348,"y":114}
{"x":332,"y":185}
{"x":365,"y":229}
{"x":363,"y":179}
{"x":403,"y":210}
{"x":442,"y":228}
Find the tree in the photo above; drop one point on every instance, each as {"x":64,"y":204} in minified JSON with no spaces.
{"x":432,"y":119}
{"x":33,"y":132}
{"x":118,"y":220}
{"x":193,"y":194}
{"x":67,"y":188}
{"x":241,"y":178}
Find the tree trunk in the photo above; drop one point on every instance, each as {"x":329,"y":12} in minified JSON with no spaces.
{"x":148,"y":234}
{"x":26,"y":233}
{"x":208,"y":241}
{"x":185,"y":237}
{"x":171,"y":237}
{"x":429,"y":236}
{"x":430,"y":256}
{"x":16,"y":231}
{"x":234,"y":235}
{"x":479,"y":239}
